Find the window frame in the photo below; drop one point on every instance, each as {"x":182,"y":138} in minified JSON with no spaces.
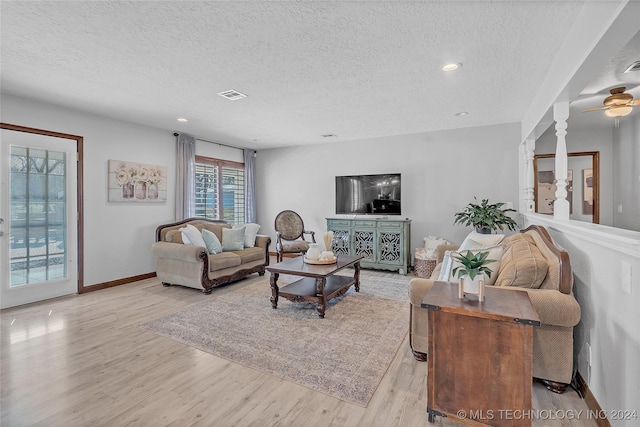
{"x":220,"y":164}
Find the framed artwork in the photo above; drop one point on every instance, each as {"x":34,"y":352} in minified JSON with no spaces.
{"x":587,"y":191}
{"x":546,"y":194}
{"x":586,"y":186}
{"x":136,"y":182}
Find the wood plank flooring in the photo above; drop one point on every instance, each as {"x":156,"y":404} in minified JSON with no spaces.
{"x":82,"y":360}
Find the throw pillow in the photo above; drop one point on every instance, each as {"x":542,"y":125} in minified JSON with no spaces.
{"x":211,"y":240}
{"x":233,"y":239}
{"x":445,"y":270}
{"x":194,"y":235}
{"x":476,"y":240}
{"x":185,"y":238}
{"x":523,"y":265}
{"x":495,"y":253}
{"x":250,"y":232}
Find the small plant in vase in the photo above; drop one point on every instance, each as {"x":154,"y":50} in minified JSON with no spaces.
{"x":485,"y":216}
{"x":471,"y":273}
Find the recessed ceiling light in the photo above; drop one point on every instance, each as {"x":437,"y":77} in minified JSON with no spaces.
{"x":451,"y":67}
{"x":461,"y":114}
{"x":182,"y":120}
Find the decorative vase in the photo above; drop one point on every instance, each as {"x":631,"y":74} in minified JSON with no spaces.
{"x":127,"y":191}
{"x":140,"y":190}
{"x":328,"y":240}
{"x":483,"y":230}
{"x":468,"y":286}
{"x":313,"y":253}
{"x":152,"y":190}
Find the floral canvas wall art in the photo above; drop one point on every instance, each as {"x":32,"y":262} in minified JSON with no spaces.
{"x":136,"y":182}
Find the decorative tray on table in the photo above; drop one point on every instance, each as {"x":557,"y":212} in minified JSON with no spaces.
{"x":320,"y":262}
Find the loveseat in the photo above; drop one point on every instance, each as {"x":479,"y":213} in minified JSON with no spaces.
{"x":196,"y":266}
{"x":531,"y":262}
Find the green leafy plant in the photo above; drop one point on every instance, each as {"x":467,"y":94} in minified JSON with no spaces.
{"x":485,"y":215}
{"x":472,"y":264}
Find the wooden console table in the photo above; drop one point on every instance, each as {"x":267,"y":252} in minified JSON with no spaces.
{"x":480,"y":356}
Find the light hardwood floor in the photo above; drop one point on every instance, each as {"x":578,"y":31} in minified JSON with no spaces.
{"x":83,"y":361}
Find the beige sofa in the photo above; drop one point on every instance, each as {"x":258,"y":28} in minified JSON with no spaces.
{"x":552,"y":299}
{"x":193,"y":266}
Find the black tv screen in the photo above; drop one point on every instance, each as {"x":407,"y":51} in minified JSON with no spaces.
{"x":368,"y":194}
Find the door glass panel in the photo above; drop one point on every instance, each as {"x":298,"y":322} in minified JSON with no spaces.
{"x":38,"y":215}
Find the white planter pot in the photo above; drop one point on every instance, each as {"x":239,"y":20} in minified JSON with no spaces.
{"x":475,"y":286}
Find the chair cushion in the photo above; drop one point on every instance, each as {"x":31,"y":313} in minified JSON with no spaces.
{"x":522,"y":264}
{"x":295,"y":246}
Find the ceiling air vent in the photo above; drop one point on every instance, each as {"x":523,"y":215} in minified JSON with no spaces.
{"x":633,"y":67}
{"x":232,"y":94}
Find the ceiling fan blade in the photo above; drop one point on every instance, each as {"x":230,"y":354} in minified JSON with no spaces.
{"x":636,"y":102}
{"x":595,"y":109}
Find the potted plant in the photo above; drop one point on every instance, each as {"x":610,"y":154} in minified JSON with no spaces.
{"x":485,"y":216}
{"x":471,"y":273}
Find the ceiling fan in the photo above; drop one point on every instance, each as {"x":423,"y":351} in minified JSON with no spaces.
{"x":618,"y":104}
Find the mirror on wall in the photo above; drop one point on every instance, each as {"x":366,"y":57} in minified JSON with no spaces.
{"x":614,"y":138}
{"x":583,"y":189}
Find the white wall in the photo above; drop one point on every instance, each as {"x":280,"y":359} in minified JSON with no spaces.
{"x":117,"y":236}
{"x":441,"y":173}
{"x":586,"y":140}
{"x":609,"y":314}
{"x":626,"y":178}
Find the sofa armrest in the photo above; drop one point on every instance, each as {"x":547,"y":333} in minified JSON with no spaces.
{"x":263,"y":241}
{"x":178,"y":251}
{"x":554,"y":307}
{"x":418,"y":288}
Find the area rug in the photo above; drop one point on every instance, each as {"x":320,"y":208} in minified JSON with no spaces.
{"x":344,"y":355}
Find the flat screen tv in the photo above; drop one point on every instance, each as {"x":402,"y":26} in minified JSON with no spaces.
{"x":368,"y":194}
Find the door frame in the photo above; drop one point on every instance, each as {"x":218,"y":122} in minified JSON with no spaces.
{"x":79,"y":168}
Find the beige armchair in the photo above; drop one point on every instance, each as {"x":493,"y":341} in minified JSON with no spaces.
{"x":553,"y":300}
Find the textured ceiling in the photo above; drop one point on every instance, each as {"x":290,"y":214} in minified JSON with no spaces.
{"x":353,"y":69}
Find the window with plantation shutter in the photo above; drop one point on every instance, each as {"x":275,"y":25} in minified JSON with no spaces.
{"x":219,"y":189}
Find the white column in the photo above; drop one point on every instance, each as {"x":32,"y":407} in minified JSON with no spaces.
{"x":561,"y":204}
{"x":529,"y":151}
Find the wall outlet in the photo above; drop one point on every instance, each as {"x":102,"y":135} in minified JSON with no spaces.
{"x":508,"y":205}
{"x":619,"y":208}
{"x":625,"y":276}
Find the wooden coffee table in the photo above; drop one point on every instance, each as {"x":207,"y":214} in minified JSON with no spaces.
{"x":319,"y":283}
{"x":480,"y":356}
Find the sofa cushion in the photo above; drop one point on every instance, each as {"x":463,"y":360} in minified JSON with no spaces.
{"x":522,"y":263}
{"x":232,"y":239}
{"x":250,"y":254}
{"x":193,"y":235}
{"x":223,"y":260}
{"x":211,"y":240}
